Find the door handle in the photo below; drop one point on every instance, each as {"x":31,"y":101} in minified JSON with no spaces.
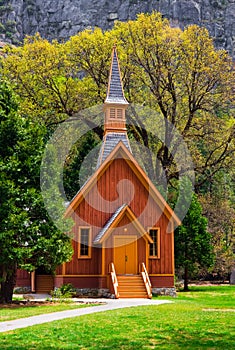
{"x":126,"y":258}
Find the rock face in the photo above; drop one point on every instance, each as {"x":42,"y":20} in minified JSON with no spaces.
{"x":61,"y":19}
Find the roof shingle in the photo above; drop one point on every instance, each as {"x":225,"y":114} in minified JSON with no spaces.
{"x":108,"y":224}
{"x":110,"y":141}
{"x":115,"y":92}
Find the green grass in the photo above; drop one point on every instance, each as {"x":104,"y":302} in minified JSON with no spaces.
{"x":199,"y":319}
{"x":13,"y":313}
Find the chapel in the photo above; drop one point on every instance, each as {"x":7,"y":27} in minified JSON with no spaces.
{"x":123,"y":233}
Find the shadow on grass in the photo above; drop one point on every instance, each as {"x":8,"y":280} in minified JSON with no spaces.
{"x":209,"y":288}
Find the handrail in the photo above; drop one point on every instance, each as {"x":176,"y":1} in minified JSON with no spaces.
{"x":146,"y":279}
{"x":114,"y":279}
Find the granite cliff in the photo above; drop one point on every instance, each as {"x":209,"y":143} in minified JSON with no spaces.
{"x":62,"y":18}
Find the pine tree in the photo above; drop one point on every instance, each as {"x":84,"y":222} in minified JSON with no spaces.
{"x":193,"y":244}
{"x":28,"y":237}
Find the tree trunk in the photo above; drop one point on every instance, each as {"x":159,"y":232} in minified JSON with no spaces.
{"x":8,"y":280}
{"x":185,"y":278}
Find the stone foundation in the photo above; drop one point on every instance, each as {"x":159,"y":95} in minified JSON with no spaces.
{"x":94,"y":293}
{"x":105,"y":293}
{"x":165,"y":291}
{"x":22,"y":290}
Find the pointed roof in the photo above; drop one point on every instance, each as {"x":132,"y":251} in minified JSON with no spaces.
{"x":108,"y":224}
{"x":115,"y":93}
{"x":114,"y":128}
{"x":120,"y":151}
{"x":110,"y":141}
{"x":115,"y":219}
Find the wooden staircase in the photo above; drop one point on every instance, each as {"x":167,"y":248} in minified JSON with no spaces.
{"x":131,"y":286}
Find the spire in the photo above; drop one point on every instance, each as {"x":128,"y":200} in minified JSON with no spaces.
{"x":115,"y":107}
{"x":115,"y":104}
{"x":115,"y":93}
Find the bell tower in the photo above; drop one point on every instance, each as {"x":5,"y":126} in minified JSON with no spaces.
{"x":115,"y":103}
{"x":115,"y":106}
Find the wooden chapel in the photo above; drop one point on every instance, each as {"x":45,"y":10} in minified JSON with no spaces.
{"x":123,"y":246}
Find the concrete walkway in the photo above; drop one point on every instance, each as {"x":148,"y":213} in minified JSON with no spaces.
{"x":110,"y":304}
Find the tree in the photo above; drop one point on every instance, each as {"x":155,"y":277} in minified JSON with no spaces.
{"x":28,"y":237}
{"x":191,"y":86}
{"x":218,"y":207}
{"x":177,"y":73}
{"x":193,"y":243}
{"x":74,"y":174}
{"x":52,"y":87}
{"x":187,"y":84}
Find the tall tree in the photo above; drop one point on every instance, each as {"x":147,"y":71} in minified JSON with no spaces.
{"x":177,"y":73}
{"x":188,"y":85}
{"x":193,"y":242}
{"x":28,"y":237}
{"x":76,"y":171}
{"x":219,"y":207}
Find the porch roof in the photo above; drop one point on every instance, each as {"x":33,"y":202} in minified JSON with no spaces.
{"x":114,"y":220}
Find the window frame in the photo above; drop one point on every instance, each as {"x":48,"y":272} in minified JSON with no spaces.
{"x":112,"y":113}
{"x":116,"y":113}
{"x":79,"y":243}
{"x":157,"y":256}
{"x":119,"y":113}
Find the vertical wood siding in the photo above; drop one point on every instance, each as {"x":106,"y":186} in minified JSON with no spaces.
{"x":110,"y":188}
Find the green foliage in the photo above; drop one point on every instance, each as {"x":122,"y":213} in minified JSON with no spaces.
{"x":221,"y":225}
{"x":64,"y":292}
{"x":51,"y":188}
{"x":178,"y":74}
{"x":193,"y":243}
{"x":67,"y":288}
{"x":28,"y":237}
{"x":75,"y":171}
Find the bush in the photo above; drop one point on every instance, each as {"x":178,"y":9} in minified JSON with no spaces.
{"x":65,"y":291}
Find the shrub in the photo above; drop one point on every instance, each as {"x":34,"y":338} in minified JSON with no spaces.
{"x":65,"y":291}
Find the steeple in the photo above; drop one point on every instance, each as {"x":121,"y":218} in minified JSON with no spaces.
{"x":115,"y":103}
{"x":115,"y":93}
{"x":115,"y":106}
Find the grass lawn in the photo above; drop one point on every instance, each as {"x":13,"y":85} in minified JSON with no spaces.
{"x":14,"y":312}
{"x":203,"y":318}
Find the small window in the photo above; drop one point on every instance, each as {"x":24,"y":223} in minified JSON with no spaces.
{"x":154,"y":248}
{"x":119,"y":113}
{"x":112,"y":113}
{"x":84,"y":248}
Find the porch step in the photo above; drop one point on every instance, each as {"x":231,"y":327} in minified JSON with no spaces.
{"x":131,"y":286}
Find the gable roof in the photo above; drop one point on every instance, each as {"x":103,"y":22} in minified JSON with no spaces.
{"x":120,"y":151}
{"x":115,"y":92}
{"x":115,"y":219}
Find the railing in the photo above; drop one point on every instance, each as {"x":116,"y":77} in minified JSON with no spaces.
{"x":146,"y":279}
{"x":114,"y":279}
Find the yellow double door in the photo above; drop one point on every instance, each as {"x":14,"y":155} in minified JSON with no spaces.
{"x":125,"y":255}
